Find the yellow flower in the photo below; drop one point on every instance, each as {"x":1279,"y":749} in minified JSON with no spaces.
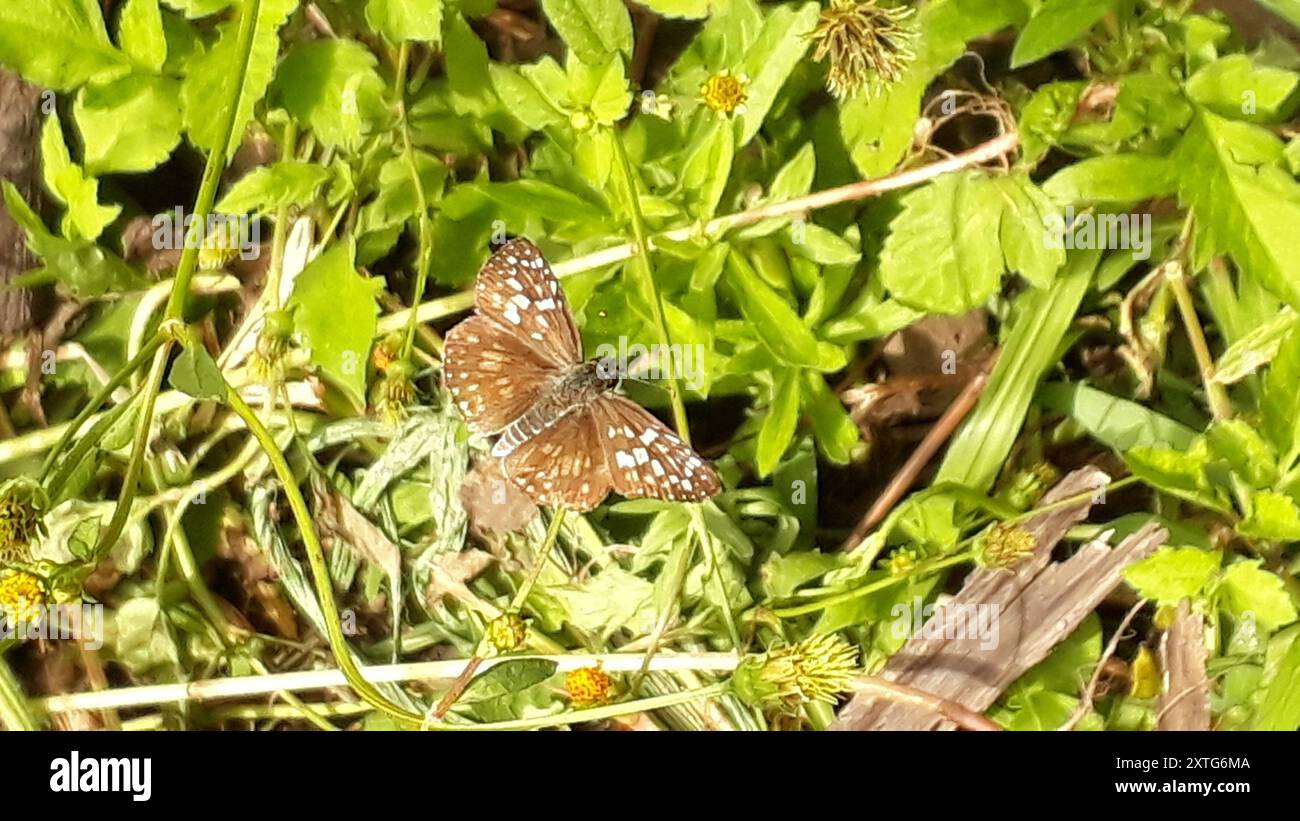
{"x":1004,"y":546}
{"x":725,"y":93}
{"x":902,"y":562}
{"x":588,"y":686}
{"x":506,"y":632}
{"x":220,"y":244}
{"x":21,"y":597}
{"x":869,"y":46}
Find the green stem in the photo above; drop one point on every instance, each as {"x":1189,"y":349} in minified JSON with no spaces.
{"x":422,"y":202}
{"x":316,"y":559}
{"x":15,"y":713}
{"x":539,"y":561}
{"x":866,"y":590}
{"x":600,"y":713}
{"x":642,"y":262}
{"x":97,"y":401}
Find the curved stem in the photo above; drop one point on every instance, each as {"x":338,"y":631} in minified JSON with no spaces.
{"x":868,"y":589}
{"x":316,"y":559}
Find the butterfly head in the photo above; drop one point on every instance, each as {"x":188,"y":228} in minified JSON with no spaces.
{"x":607,"y":371}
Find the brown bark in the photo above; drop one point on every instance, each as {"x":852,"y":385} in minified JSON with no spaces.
{"x":1185,"y":702}
{"x":20,"y":127}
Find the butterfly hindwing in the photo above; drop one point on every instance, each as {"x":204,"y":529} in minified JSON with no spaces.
{"x":493,"y":375}
{"x":517,"y":289}
{"x":562,"y":466}
{"x":645,"y":458}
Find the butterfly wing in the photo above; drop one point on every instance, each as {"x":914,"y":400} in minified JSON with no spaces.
{"x":563,"y":465}
{"x":520,"y":292}
{"x":645,"y":458}
{"x":493,"y":375}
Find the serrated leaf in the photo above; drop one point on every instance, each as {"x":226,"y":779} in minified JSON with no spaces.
{"x":1255,"y":349}
{"x":58,"y":44}
{"x":1242,"y":447}
{"x":942,"y":254}
{"x":1237,"y":88}
{"x":1279,"y":709}
{"x":196,"y":374}
{"x":1172,"y":574}
{"x":1026,"y":217}
{"x":594,"y":30}
{"x":781,"y":43}
{"x":531,"y":93}
{"x":1280,"y":404}
{"x":266,"y":188}
{"x":1056,"y":25}
{"x":400,"y":20}
{"x":333,"y":87}
{"x":85,"y":217}
{"x":228,"y":72}
{"x":335,"y":310}
{"x":1273,"y":516}
{"x":1244,"y":204}
{"x":1249,"y":590}
{"x":128,"y":125}
{"x":140,"y":31}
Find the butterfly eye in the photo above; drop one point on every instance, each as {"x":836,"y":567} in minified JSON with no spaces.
{"x":607,"y":369}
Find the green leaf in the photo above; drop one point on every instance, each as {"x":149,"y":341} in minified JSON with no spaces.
{"x":707,"y":168}
{"x":85,"y":217}
{"x":689,"y":9}
{"x":1280,"y":405}
{"x":128,"y":125}
{"x":1273,"y":516}
{"x":492,"y":693}
{"x":1236,"y":88}
{"x":1255,"y":349}
{"x":1182,"y":473}
{"x":335,"y":310}
{"x":1042,"y":317}
{"x":777,"y":433}
{"x":594,"y":30}
{"x":1026,"y":217}
{"x":1172,"y":574}
{"x":140,"y":31}
{"x":1056,"y":25}
{"x":84,"y":268}
{"x":1244,"y":204}
{"x":1115,"y":422}
{"x":333,"y":87}
{"x":400,"y":20}
{"x":195,"y":373}
{"x":1242,"y":447}
{"x":58,"y":44}
{"x":1279,"y":709}
{"x":1121,"y":178}
{"x":838,"y":436}
{"x":777,"y":324}
{"x":1248,"y":588}
{"x":286,"y":182}
{"x":942,"y":254}
{"x":769,"y":61}
{"x":199,"y":8}
{"x":214,"y":77}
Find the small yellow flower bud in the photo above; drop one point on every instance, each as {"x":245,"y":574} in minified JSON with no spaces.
{"x":588,"y":686}
{"x":21,"y":597}
{"x":506,"y":632}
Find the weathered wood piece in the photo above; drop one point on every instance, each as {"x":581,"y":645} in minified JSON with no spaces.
{"x":1036,"y":606}
{"x":1185,"y":702}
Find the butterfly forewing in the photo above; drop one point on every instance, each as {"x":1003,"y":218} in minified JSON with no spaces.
{"x":563,"y":465}
{"x":493,"y":375}
{"x":518,"y":290}
{"x":645,"y":458}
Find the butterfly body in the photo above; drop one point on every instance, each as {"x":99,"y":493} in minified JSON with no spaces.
{"x":515,"y":370}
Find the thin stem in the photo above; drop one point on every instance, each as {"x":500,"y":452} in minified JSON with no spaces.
{"x":422,"y":202}
{"x":866,"y":590}
{"x":852,"y":192}
{"x":316,"y":559}
{"x":643,"y":705}
{"x":642,"y":262}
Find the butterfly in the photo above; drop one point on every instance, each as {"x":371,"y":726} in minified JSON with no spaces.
{"x":515,"y":371}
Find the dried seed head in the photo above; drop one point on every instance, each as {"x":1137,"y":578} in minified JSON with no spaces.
{"x":1004,"y":546}
{"x":869,"y":46}
{"x":818,"y":669}
{"x":22,"y":506}
{"x":506,"y":632}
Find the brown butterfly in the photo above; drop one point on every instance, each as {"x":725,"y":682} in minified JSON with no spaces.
{"x":515,"y":370}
